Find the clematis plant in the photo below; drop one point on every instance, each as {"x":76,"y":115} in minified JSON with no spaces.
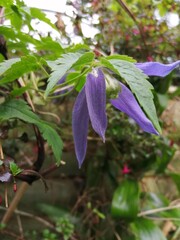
{"x":90,"y":104}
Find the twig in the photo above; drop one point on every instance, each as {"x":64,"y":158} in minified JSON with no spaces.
{"x":152,"y":211}
{"x":162,"y":218}
{"x":39,"y":219}
{"x":1,"y":152}
{"x":127,"y":10}
{"x":6,"y":187}
{"x":168,"y":227}
{"x":14,"y":203}
{"x":10,"y":233}
{"x":20,"y":226}
{"x":50,"y":114}
{"x":117,"y":236}
{"x":27,"y":96}
{"x":176,"y":235}
{"x":6,"y":195}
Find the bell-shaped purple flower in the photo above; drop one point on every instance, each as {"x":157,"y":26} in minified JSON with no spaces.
{"x":80,"y":125}
{"x":95,"y":89}
{"x":90,"y":105}
{"x":156,"y":68}
{"x":127,"y":103}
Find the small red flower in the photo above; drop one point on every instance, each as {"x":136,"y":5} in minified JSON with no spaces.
{"x":171,"y":143}
{"x":126,"y":169}
{"x":150,"y":58}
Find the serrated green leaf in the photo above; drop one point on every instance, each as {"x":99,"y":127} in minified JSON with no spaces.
{"x":48,"y":44}
{"x":12,"y":33}
{"x":14,"y":15}
{"x":6,"y":3}
{"x":19,"y":47}
{"x":144,"y":229}
{"x":37,"y":13}
{"x":125,"y":203}
{"x":108,"y":65}
{"x":7,"y":32}
{"x":5,"y":65}
{"x":16,"y":92}
{"x":81,"y":83}
{"x":14,"y":168}
{"x":16,"y":70}
{"x":85,"y":59}
{"x":139,"y":85}
{"x":59,"y":68}
{"x":19,"y":109}
{"x":77,"y":47}
{"x":121,"y":57}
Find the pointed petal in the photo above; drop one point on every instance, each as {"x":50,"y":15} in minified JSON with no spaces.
{"x":127,"y":103}
{"x":156,"y":68}
{"x":80,"y":122}
{"x":96,"y":100}
{"x":5,"y":177}
{"x":63,"y":79}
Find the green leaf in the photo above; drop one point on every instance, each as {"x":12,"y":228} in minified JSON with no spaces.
{"x":121,"y":57}
{"x":6,"y":3}
{"x":48,"y":44}
{"x":176,"y":179}
{"x":5,"y":65}
{"x":14,"y":168}
{"x":145,"y":229}
{"x":12,"y":33}
{"x":37,"y":13}
{"x":153,"y":201}
{"x":81,"y":83}
{"x":52,"y":138}
{"x":16,"y":92}
{"x":59,"y":68}
{"x":163,"y":160}
{"x":54,"y":212}
{"x":139,"y":85}
{"x":125,"y":202}
{"x":107,"y":64}
{"x":1,"y":57}
{"x":16,"y":70}
{"x":85,"y":59}
{"x":19,"y":109}
{"x":7,"y":32}
{"x":77,"y":47}
{"x":15,"y":16}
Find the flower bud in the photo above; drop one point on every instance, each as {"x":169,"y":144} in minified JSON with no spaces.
{"x":14,"y":187}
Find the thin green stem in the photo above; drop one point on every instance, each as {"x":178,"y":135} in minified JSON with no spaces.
{"x":72,"y":80}
{"x":44,"y":70}
{"x":4,"y":16}
{"x":64,"y":94}
{"x":153,"y":211}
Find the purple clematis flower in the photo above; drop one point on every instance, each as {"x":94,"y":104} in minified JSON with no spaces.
{"x":90,"y":106}
{"x":156,"y":68}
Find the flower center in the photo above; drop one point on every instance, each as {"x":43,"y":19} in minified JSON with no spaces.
{"x":112,"y":87}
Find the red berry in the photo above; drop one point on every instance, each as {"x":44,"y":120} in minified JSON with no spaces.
{"x":14,"y":187}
